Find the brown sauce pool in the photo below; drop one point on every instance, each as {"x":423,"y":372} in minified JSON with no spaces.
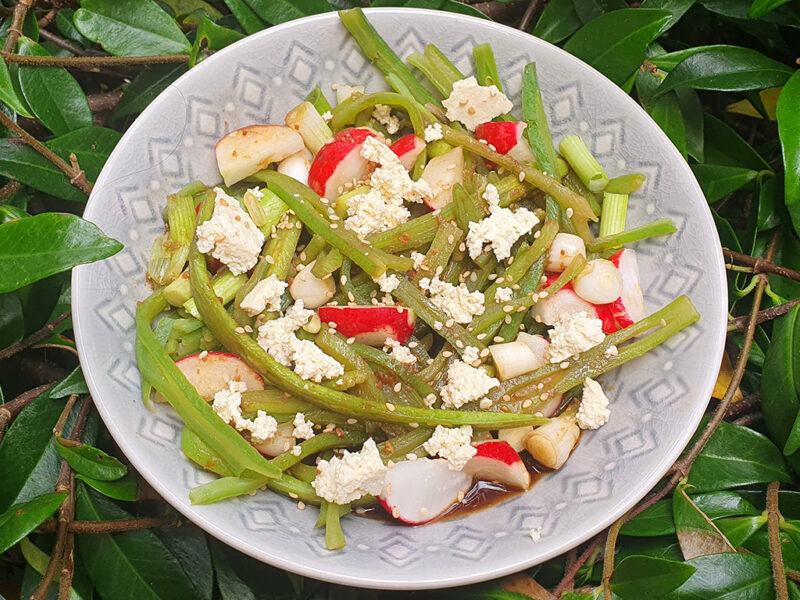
{"x":482,"y":495}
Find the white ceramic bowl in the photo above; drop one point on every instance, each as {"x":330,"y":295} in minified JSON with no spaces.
{"x":657,"y":400}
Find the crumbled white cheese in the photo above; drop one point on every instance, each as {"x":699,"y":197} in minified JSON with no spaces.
{"x":228,"y":405}
{"x":381,"y":208}
{"x":265,"y":295}
{"x":465,"y":384}
{"x":503,"y":294}
{"x":593,"y":411}
{"x":418,"y":259}
{"x":453,"y":444}
{"x":388,"y":283}
{"x":535,"y":534}
{"x":473,"y":104}
{"x":470,"y":355}
{"x":296,"y":450}
{"x":327,"y":116}
{"x":457,"y":301}
{"x":383,"y":115}
{"x":399,"y":352}
{"x":433,"y":132}
{"x":355,"y":474}
{"x":611,"y":351}
{"x":278,"y":339}
{"x":502,"y":228}
{"x":230,"y":235}
{"x":302,"y":428}
{"x":573,"y":334}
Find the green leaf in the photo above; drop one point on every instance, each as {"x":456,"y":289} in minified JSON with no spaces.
{"x":125,"y":490}
{"x":230,"y":585}
{"x":213,"y":37}
{"x":723,"y":146}
{"x":182,"y":8}
{"x":761,"y":7}
{"x":666,"y":111}
{"x":557,"y":22}
{"x":589,"y":10}
{"x":130,"y":27}
{"x":52,"y":94}
{"x":27,"y":460}
{"x":22,"y":163}
{"x":250,"y":21}
{"x":739,"y":529}
{"x":717,"y":181}
{"x":789,"y":131}
{"x":31,"y":249}
{"x":189,"y":546}
{"x":91,"y":461}
{"x":759,"y":544}
{"x":769,"y":201}
{"x":697,"y":535}
{"x":135,"y":564}
{"x":727,"y":576}
{"x":12,"y":323}
{"x":692,"y":112}
{"x":66,"y":25}
{"x":20,"y":519}
{"x":739,"y":9}
{"x":71,"y":384}
{"x":615,"y":43}
{"x":91,"y":146}
{"x":447,"y":5}
{"x":636,"y":577}
{"x":737,"y":456}
{"x":39,"y":560}
{"x":8,"y":92}
{"x":780,"y":382}
{"x":726,"y":69}
{"x":676,"y":8}
{"x":724,"y":504}
{"x":280,"y":11}
{"x":145,"y":87}
{"x":653,"y":521}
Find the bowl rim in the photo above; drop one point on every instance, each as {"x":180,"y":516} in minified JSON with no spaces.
{"x":715,"y":269}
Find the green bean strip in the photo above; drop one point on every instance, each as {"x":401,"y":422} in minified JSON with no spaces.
{"x":336,"y":345}
{"x":467,"y":208}
{"x":222,"y":325}
{"x":349,"y":379}
{"x":303,"y":472}
{"x":511,"y":189}
{"x":529,"y":284}
{"x":437,"y":69}
{"x":334,"y":536}
{"x":573,"y":182}
{"x":381,"y":55}
{"x":495,"y":313}
{"x":625,"y":184}
{"x":414,"y":233}
{"x":486,"y":66}
{"x":565,"y":197}
{"x":158,"y":369}
{"x":396,"y":448}
{"x":444,"y":244}
{"x":348,"y":285}
{"x":317,"y":444}
{"x":433,"y":316}
{"x":276,"y":403}
{"x":198,"y":451}
{"x":412,"y":380}
{"x":318,"y":99}
{"x":346,"y":112}
{"x":327,"y":264}
{"x":635,"y":234}
{"x":298,"y":197}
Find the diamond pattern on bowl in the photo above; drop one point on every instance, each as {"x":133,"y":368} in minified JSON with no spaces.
{"x":656,"y":400}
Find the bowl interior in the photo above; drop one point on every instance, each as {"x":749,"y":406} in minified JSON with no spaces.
{"x":657,"y":400}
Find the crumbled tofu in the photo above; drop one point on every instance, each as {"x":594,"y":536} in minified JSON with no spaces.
{"x":296,"y":450}
{"x":309,"y":361}
{"x":302,"y":429}
{"x":327,"y":116}
{"x":535,"y":534}
{"x":473,"y":104}
{"x":573,"y":334}
{"x":502,"y":228}
{"x":503,"y":294}
{"x":452,"y":444}
{"x":470,"y":355}
{"x":457,"y":301}
{"x":230,"y":235}
{"x":383,"y":115}
{"x":611,"y":351}
{"x":388,"y":283}
{"x":418,"y":259}
{"x":228,"y":405}
{"x":433,"y":132}
{"x":465,"y":384}
{"x":355,"y":474}
{"x":381,"y":208}
{"x":399,"y":352}
{"x":266,"y":295}
{"x":593,"y":411}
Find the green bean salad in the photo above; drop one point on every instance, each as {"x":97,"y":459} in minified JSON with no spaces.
{"x":393,"y":298}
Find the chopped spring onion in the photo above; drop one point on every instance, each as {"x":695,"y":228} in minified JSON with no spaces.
{"x":615,"y":211}
{"x":574,"y":150}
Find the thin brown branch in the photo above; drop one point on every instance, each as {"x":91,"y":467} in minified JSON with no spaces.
{"x":75,"y":62}
{"x":743,"y":406}
{"x":793,"y":575}
{"x":59,"y":428}
{"x":569,"y":575}
{"x":749,"y":419}
{"x":760,"y":265}
{"x":98,"y":527}
{"x":48,"y":18}
{"x":525,"y":585}
{"x":76,"y":177}
{"x":498,"y":11}
{"x":9,"y":189}
{"x":530,"y":12}
{"x":739,"y":323}
{"x":36,"y":336}
{"x":67,"y":569}
{"x":15,"y":30}
{"x":63,"y":347}
{"x":104,"y":102}
{"x":67,"y":45}
{"x":774,"y":533}
{"x":11,"y":409}
{"x":608,"y":556}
